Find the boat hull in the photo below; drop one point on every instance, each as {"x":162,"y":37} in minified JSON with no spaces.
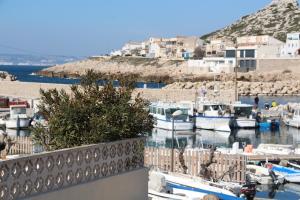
{"x":246,"y":123}
{"x":179,"y":126}
{"x":293,"y":123}
{"x":17,"y":123}
{"x":292,"y":178}
{"x":213,"y":123}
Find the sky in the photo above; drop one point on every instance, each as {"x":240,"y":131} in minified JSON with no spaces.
{"x":94,"y":27}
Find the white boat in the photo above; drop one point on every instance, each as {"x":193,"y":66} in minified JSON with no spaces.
{"x":162,"y":113}
{"x":194,"y":187}
{"x":294,"y":121}
{"x":18,"y":117}
{"x":274,"y":149}
{"x":261,"y":175}
{"x":290,"y":175}
{"x":213,"y":116}
{"x":243,"y":116}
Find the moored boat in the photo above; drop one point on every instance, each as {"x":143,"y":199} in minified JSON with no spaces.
{"x":194,"y":187}
{"x":243,"y":116}
{"x":294,"y":121}
{"x":164,"y":119}
{"x":18,"y":117}
{"x":291,"y":175}
{"x":213,"y":116}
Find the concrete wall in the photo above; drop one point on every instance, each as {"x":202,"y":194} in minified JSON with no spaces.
{"x":128,"y":186}
{"x":267,"y":65}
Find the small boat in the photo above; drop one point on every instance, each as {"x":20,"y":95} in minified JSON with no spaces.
{"x":274,"y":149}
{"x":18,"y":117}
{"x":271,"y":124}
{"x":243,"y":116}
{"x":162,"y":113}
{"x":262,"y":175}
{"x":213,"y":116}
{"x":195,"y":187}
{"x":291,"y":175}
{"x":294,"y":121}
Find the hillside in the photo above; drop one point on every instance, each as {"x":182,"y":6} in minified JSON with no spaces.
{"x":149,"y":69}
{"x":276,"y":19}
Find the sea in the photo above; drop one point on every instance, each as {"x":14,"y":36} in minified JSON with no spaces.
{"x":27,"y":74}
{"x":196,"y":138}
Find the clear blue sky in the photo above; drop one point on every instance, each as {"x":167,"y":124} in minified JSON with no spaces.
{"x":91,"y":27}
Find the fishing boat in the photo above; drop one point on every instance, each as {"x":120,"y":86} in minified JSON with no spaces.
{"x":18,"y":117}
{"x":194,"y":187}
{"x":164,"y":119}
{"x":291,"y":175}
{"x":294,"y":121}
{"x":243,"y":116}
{"x":213,"y":116}
{"x":262,"y":175}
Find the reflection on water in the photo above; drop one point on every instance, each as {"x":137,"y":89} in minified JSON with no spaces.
{"x":203,"y":138}
{"x":18,"y":132}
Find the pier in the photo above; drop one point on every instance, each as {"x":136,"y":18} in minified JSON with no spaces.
{"x":273,"y":157}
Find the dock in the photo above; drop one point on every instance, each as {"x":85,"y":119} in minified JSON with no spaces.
{"x":273,"y":157}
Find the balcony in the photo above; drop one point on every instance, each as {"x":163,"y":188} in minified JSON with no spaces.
{"x":58,"y":174}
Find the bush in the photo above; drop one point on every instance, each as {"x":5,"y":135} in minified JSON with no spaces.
{"x":90,"y":114}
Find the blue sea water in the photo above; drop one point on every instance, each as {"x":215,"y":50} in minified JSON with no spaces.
{"x":24,"y":74}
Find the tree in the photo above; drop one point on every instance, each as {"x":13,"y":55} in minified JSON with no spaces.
{"x":199,"y":53}
{"x":91,"y":114}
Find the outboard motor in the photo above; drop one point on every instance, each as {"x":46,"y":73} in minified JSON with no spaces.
{"x":249,"y":191}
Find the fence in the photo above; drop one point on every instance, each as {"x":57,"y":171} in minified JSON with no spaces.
{"x":21,"y":145}
{"x":193,"y":158}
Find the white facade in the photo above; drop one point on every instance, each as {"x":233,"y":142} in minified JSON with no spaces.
{"x":213,"y":64}
{"x":292,"y":46}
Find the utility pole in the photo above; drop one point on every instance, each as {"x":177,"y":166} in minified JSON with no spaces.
{"x":236,"y":95}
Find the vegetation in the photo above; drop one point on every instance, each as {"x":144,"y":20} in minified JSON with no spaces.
{"x":199,"y":53}
{"x":91,"y":114}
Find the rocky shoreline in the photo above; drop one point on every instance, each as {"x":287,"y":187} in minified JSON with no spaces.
{"x":278,"y":88}
{"x":5,"y":76}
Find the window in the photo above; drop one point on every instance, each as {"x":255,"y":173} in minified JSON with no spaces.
{"x":250,"y":54}
{"x":242,"y":53}
{"x":230,"y":54}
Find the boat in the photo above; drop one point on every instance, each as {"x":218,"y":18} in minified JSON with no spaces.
{"x":213,"y":116}
{"x":195,"y":187}
{"x":274,"y":149}
{"x":262,"y":175}
{"x":294,"y":121}
{"x":18,"y":117}
{"x":162,"y":113}
{"x":243,"y":116}
{"x":291,"y":175}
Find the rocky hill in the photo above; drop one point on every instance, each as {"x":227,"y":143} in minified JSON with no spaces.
{"x":149,"y":69}
{"x":276,"y":19}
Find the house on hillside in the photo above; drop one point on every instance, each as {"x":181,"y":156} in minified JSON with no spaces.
{"x":252,"y":48}
{"x":180,"y":47}
{"x":217,"y":47}
{"x":292,"y":46}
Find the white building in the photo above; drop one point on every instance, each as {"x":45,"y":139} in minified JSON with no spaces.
{"x":292,"y":46}
{"x":251,"y":48}
{"x":212,"y":64}
{"x":131,"y":48}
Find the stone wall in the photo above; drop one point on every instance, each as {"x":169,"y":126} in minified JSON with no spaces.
{"x":267,"y":65}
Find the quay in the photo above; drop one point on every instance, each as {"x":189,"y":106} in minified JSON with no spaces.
{"x":272,"y":157}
